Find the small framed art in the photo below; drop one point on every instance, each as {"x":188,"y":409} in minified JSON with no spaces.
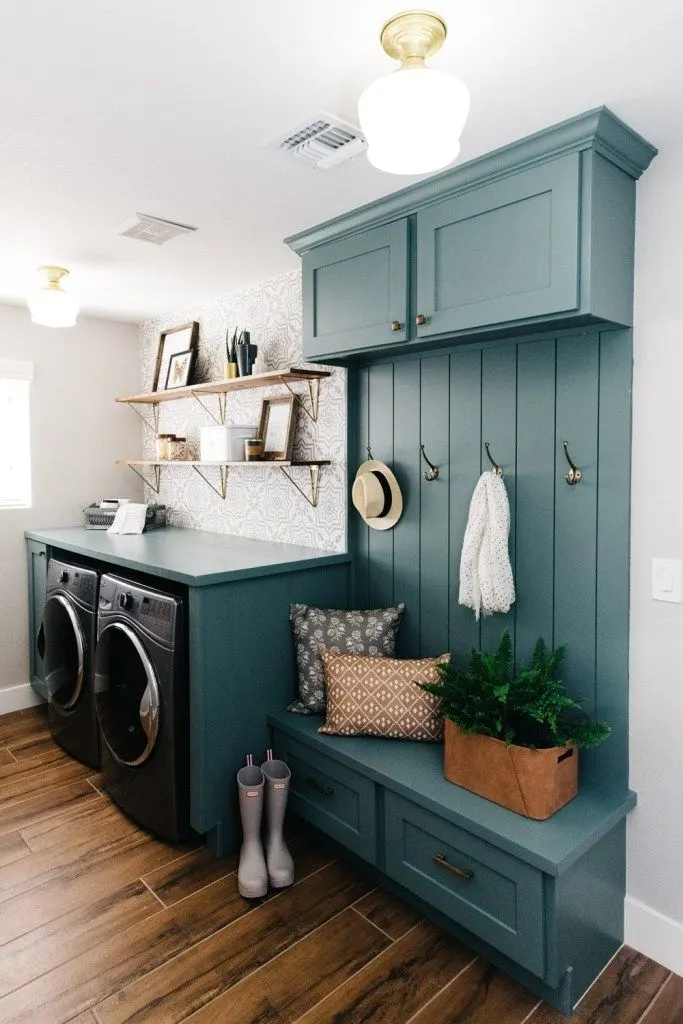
{"x":180,"y":369}
{"x":277,"y":428}
{"x":172,"y":342}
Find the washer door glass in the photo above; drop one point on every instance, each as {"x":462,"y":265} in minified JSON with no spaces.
{"x":126,"y":695}
{"x":64,"y":652}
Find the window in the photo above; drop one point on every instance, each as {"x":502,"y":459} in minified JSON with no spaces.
{"x":15,"y":441}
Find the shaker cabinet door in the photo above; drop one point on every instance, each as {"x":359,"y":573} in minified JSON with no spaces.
{"x":355,"y":292}
{"x":503,"y":252}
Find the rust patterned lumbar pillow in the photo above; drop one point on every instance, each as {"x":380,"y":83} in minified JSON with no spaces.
{"x":380,"y":697}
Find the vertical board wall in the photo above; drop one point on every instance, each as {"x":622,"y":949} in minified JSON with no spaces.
{"x":569,"y":546}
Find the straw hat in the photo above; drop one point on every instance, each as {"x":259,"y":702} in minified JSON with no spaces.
{"x":377,"y":496}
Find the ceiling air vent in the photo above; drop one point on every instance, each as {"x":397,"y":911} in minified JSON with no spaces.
{"x":151,"y":229}
{"x":323,"y":141}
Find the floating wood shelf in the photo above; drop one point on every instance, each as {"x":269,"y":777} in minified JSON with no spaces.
{"x":221,"y":490}
{"x":221,"y":388}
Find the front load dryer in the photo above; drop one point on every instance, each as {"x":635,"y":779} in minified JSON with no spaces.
{"x":67,"y":636}
{"x":141,"y":698}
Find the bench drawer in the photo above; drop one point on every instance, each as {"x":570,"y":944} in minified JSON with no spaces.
{"x":487,"y":891}
{"x":330,"y":796}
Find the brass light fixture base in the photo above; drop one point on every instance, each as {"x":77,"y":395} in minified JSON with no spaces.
{"x":53,"y":274}
{"x":413,"y":36}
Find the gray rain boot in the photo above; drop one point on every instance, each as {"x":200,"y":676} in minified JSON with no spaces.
{"x":252,"y":876}
{"x":278,"y":857}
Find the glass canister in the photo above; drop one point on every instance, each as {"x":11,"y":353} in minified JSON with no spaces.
{"x":177,"y":447}
{"x":163,"y":444}
{"x":253,"y":449}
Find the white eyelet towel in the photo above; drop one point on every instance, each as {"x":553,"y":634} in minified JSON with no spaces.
{"x":486,"y":582}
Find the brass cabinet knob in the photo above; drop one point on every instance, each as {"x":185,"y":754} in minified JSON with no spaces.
{"x":396,"y":325}
{"x":420,"y":319}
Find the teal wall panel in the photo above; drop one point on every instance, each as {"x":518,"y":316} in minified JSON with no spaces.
{"x":408,"y":471}
{"x":576,"y":517}
{"x":465,"y":466}
{"x":568,"y":545}
{"x":536,"y":480}
{"x":359,"y":534}
{"x":612,"y":591}
{"x":434,"y":534}
{"x":381,"y":441}
{"x":499,"y":428}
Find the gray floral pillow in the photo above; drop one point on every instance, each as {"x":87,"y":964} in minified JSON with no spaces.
{"x":355,"y":632}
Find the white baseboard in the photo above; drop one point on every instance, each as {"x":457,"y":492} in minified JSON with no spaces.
{"x":14,"y":698}
{"x":654,"y":934}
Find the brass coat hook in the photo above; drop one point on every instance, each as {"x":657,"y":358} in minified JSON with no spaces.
{"x":573,"y":475}
{"x":496,"y":468}
{"x":367,"y":448}
{"x":433,"y":471}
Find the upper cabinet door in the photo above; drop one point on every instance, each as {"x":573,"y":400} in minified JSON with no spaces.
{"x":355,"y":292}
{"x":502,"y":252}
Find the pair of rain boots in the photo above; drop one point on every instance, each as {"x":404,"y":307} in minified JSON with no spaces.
{"x":269,"y":784}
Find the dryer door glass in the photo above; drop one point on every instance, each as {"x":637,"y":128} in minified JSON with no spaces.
{"x":64,"y":658}
{"x":126,"y":695}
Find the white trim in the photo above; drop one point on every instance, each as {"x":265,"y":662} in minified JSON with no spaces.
{"x":16,"y":369}
{"x":15,"y":698}
{"x":654,"y":934}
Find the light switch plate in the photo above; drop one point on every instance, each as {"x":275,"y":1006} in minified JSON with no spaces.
{"x":667,"y":580}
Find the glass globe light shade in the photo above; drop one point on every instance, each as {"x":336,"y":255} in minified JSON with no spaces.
{"x":412,"y":120}
{"x":49,"y":305}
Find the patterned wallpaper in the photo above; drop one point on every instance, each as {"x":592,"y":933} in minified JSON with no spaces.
{"x":260,"y":502}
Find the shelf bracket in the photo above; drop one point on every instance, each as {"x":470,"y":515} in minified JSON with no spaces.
{"x":314,"y":473}
{"x":157,"y":477}
{"x":223,"y":489}
{"x":222,"y":407}
{"x":154,"y":425}
{"x":313,"y":395}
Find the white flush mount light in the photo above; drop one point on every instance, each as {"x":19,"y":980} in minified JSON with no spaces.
{"x":49,"y":305}
{"x":412,"y":118}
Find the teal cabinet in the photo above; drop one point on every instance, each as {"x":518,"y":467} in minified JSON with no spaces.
{"x":506,"y":251}
{"x":355,"y":292}
{"x":537,"y":235}
{"x":37,"y":585}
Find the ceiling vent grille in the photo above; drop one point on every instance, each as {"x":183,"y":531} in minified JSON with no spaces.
{"x":323,"y":141}
{"x":146,"y":228}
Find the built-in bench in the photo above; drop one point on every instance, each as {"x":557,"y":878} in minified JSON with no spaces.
{"x":540,"y":899}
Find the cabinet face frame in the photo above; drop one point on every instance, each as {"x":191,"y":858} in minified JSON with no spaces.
{"x":388,"y":326}
{"x":492,"y":204}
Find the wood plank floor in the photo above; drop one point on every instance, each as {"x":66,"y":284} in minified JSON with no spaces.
{"x":101,"y":923}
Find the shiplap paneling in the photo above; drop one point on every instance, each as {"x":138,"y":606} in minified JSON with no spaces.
{"x":568,"y":545}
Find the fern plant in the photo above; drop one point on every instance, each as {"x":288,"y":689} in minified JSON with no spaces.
{"x":530,"y":709}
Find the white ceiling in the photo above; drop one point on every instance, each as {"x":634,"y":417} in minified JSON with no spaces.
{"x":163,"y":108}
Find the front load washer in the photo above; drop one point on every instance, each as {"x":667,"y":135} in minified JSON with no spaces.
{"x":141,"y":698}
{"x":67,"y":636}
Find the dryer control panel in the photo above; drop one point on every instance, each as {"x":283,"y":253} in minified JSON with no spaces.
{"x":80,"y":583}
{"x":157,"y":613}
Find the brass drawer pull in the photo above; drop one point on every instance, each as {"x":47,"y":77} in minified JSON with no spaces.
{"x":314,"y":784}
{"x":420,"y":320}
{"x":396,"y":325}
{"x":440,"y":859}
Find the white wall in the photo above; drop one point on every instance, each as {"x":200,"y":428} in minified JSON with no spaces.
{"x":77,"y":432}
{"x":655,"y":832}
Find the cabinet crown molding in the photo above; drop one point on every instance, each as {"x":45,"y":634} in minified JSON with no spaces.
{"x":599,"y":130}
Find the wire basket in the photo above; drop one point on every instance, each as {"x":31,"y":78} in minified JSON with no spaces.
{"x":97,"y":518}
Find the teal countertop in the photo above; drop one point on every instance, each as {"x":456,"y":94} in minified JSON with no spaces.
{"x":194,"y":557}
{"x":415,"y":770}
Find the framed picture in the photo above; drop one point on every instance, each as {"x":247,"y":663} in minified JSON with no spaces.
{"x":172,"y":342}
{"x":180,"y":369}
{"x":277,"y":427}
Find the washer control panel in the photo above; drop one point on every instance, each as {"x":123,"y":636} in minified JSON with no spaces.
{"x":74,"y":580}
